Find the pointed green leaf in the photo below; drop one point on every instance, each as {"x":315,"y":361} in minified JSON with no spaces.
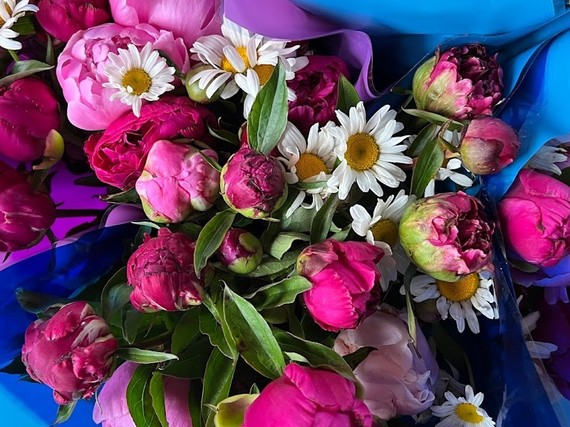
{"x":186,"y":331}
{"x":427,"y":134}
{"x":23,"y":69}
{"x":270,"y":266}
{"x":347,"y":95}
{"x":210,"y":327}
{"x":433,"y":118}
{"x":156,"y":389}
{"x":217,"y":381}
{"x":192,"y":361}
{"x":37,"y":302}
{"x":280,"y":293}
{"x":144,"y":357}
{"x":322,"y":222}
{"x":64,"y":412}
{"x":283,"y":242}
{"x":429,"y":162}
{"x":139,"y":400}
{"x":211,"y":238}
{"x":123,"y":197}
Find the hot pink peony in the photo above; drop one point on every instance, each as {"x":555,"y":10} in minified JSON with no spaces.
{"x":307,"y":397}
{"x":119,"y":154}
{"x":346,"y":282}
{"x":72,"y":352}
{"x":396,"y":379}
{"x":176,"y":181}
{"x":81,"y":69}
{"x":188,"y":19}
{"x":111,"y":409}
{"x":535,"y":218}
{"x":63,"y":18}
{"x":161,"y":271}
{"x":28,"y":111}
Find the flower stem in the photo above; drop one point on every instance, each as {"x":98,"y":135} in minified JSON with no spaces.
{"x":14,"y":55}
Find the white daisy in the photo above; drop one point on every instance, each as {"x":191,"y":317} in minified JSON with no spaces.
{"x":448,"y":171}
{"x":234,"y":53}
{"x":138,"y":76}
{"x":537,"y":349}
{"x":463,"y":411}
{"x":546,"y":158}
{"x":10,"y":12}
{"x":368,"y":151}
{"x":308,"y":161}
{"x":458,"y":298}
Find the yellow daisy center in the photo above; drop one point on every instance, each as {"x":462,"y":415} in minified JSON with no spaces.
{"x":362,"y":152}
{"x":461,"y":290}
{"x":227,"y":65}
{"x":138,"y":80}
{"x":385,"y":230}
{"x":264,"y":72}
{"x":468,"y":413}
{"x":309,"y":165}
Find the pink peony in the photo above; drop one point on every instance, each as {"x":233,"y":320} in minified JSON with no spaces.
{"x":396,"y":379}
{"x":240,"y":251}
{"x":535,"y":218}
{"x":111,"y":409}
{"x":161,"y":271}
{"x":188,"y":19}
{"x":346,"y":282}
{"x":176,"y":181}
{"x":119,"y":154}
{"x":81,"y":69}
{"x":72,"y":352}
{"x":63,"y":18}
{"x":307,"y":397}
{"x":28,"y":111}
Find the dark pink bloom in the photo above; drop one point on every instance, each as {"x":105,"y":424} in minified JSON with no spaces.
{"x":28,"y":111}
{"x":161,"y":271}
{"x":447,"y":235}
{"x":63,"y":18}
{"x":240,"y":251}
{"x":72,"y":352}
{"x":25,"y":214}
{"x":346,"y":282}
{"x":535,"y":218}
{"x":119,"y":154}
{"x":307,"y":397}
{"x":316,"y":87}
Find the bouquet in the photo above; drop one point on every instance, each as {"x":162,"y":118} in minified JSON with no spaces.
{"x":267,"y":240}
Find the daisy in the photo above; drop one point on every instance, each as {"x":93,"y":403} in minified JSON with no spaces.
{"x":307,"y":161}
{"x":449,"y":171}
{"x":368,"y":151}
{"x":138,"y":76}
{"x":10,"y":12}
{"x":537,"y":349}
{"x":237,"y":51}
{"x":546,"y":158}
{"x":463,"y":412}
{"x":458,"y":298}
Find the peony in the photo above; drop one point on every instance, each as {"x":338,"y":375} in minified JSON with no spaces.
{"x":118,"y":155}
{"x":81,"y":69}
{"x":240,"y":251}
{"x":345,"y":279}
{"x":72,"y":352}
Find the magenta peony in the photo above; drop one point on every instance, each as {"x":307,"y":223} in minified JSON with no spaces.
{"x":176,"y":181}
{"x":119,"y":154}
{"x":461,"y":83}
{"x":63,"y":18}
{"x":396,"y":379}
{"x":72,"y":352}
{"x":346,"y":282}
{"x":81,"y":69}
{"x":240,"y":251}
{"x":161,"y":271}
{"x":447,"y":235}
{"x":25,"y":214}
{"x":111,"y":409}
{"x":535,"y":218}
{"x":28,"y":111}
{"x":307,"y":397}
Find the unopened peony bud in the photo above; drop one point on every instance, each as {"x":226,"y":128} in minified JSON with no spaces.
{"x":196,"y":93}
{"x":231,"y":411}
{"x":240,"y":251}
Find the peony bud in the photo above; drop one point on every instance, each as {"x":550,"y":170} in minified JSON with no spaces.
{"x":240,"y":251}
{"x":161,"y":271}
{"x":488,"y":146}
{"x":461,"y":83}
{"x":25,"y":214}
{"x":253,"y":184}
{"x":72,"y":352}
{"x":231,"y":410}
{"x":176,"y":181}
{"x":196,"y":93}
{"x":346,"y":276}
{"x":447,"y":235}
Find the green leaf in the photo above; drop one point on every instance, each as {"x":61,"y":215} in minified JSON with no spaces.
{"x":190,"y":229}
{"x":408,"y":276}
{"x":224,"y":135}
{"x":433,"y":118}
{"x":139,"y":400}
{"x":211,"y":238}
{"x":347,"y":95}
{"x":271,"y":266}
{"x":268,"y":117}
{"x":310,"y":185}
{"x":149,"y":224}
{"x":354,"y":359}
{"x":192,"y":361}
{"x":131,"y":323}
{"x":64,"y":412}
{"x":252,"y":335}
{"x":427,"y":134}
{"x":210,"y":327}
{"x":23,"y":69}
{"x":323,"y":219}
{"x":300,"y":220}
{"x":24,"y":26}
{"x":283,"y":242}
{"x":144,"y":357}
{"x":215,"y":165}
{"x":217,"y":380}
{"x":318,"y":355}
{"x":110,"y":304}
{"x":123,"y":197}
{"x":15,"y":367}
{"x":37,"y":302}
{"x":186,"y":331}
{"x":280,"y":293}
{"x":156,"y":390}
{"x":342,"y":234}
{"x":429,"y":162}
